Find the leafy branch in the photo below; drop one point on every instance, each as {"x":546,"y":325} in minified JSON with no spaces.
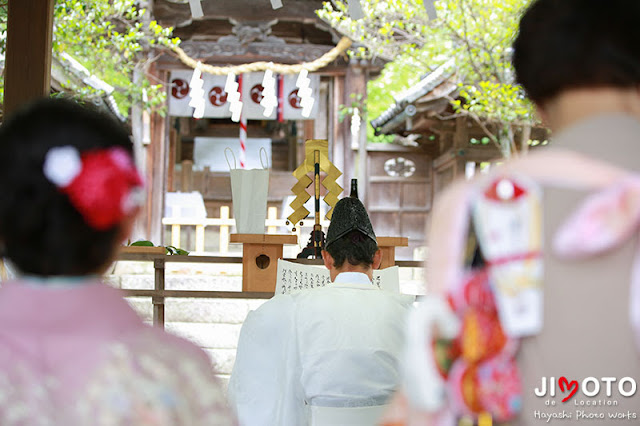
{"x":477,"y":34}
{"x":170,"y":250}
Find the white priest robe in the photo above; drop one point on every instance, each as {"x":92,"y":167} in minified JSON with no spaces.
{"x":336,"y":346}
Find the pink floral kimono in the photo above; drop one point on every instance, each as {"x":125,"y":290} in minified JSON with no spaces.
{"x":77,"y":354}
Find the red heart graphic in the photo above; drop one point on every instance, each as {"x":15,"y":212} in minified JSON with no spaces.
{"x":569,"y":384}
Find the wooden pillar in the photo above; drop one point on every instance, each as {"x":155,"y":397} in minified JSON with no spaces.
{"x":339,"y":143}
{"x":388,"y":246}
{"x":156,"y":172}
{"x":173,"y":138}
{"x":461,"y":135}
{"x":186,"y":181}
{"x":524,"y":139}
{"x":292,"y":141}
{"x":27,"y":72}
{"x":355,"y":84}
{"x":321,"y":126}
{"x":363,"y":172}
{"x":460,"y":142}
{"x":158,"y":301}
{"x":309,"y":130}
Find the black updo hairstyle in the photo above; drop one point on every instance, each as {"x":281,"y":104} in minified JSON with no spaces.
{"x":42,"y":233}
{"x":574,"y":44}
{"x":355,"y":248}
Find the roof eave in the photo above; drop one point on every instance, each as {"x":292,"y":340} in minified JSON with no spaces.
{"x":398,"y":111}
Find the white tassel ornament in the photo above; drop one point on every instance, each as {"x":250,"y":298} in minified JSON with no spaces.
{"x":305,"y":93}
{"x":269,"y":99}
{"x":196,"y":9}
{"x":233,"y":97}
{"x":197,"y":93}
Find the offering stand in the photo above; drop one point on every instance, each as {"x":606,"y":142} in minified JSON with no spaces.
{"x":388,"y":246}
{"x":260,"y":254}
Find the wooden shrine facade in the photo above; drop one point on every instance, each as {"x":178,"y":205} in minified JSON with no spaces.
{"x":240,"y":32}
{"x":231,"y":32}
{"x":436,"y":146}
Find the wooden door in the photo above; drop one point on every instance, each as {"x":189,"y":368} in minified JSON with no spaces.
{"x":399,"y":194}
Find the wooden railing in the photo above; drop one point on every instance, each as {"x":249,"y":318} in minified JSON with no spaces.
{"x":159,"y":293}
{"x":225,"y":223}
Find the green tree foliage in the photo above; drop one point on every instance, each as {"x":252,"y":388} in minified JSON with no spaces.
{"x":112,"y":39}
{"x":477,"y":34}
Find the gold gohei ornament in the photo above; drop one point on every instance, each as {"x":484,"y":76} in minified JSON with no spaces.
{"x":316,"y":160}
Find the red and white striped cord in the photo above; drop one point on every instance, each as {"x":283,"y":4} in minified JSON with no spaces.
{"x":243,"y":130}
{"x":243,"y":141}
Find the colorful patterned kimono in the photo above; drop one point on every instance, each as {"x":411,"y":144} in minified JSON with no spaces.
{"x":77,"y":354}
{"x":557,"y":314}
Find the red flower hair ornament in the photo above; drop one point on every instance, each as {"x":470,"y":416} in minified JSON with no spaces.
{"x":103,"y":185}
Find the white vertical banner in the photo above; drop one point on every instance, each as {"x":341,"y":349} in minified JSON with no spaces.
{"x":216,"y":105}
{"x":292,"y":106}
{"x":179,"y":94}
{"x":252,"y":96}
{"x":196,"y":8}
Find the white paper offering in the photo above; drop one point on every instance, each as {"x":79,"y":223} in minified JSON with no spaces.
{"x":249,"y":190}
{"x":294,"y":277}
{"x":508,"y":217}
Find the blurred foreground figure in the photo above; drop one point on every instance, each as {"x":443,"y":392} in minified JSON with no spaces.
{"x":549,"y":328}
{"x":326,"y":356}
{"x":72,"y":351}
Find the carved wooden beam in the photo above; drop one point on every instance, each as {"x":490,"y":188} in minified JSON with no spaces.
{"x":217,"y":29}
{"x":276,"y":52}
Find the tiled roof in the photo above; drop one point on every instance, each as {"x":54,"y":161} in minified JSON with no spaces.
{"x":407,"y":98}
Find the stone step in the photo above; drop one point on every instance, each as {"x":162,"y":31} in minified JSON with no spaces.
{"x":222,"y":360}
{"x":224,"y":382}
{"x":185,"y":310}
{"x":179,"y":282}
{"x":216,"y":283}
{"x":146,"y":268}
{"x":207,"y":336}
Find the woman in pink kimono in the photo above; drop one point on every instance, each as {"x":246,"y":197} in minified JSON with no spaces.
{"x":548,"y":331}
{"x":72,"y":352}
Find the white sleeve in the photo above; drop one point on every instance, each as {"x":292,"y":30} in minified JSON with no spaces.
{"x":264,"y":386}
